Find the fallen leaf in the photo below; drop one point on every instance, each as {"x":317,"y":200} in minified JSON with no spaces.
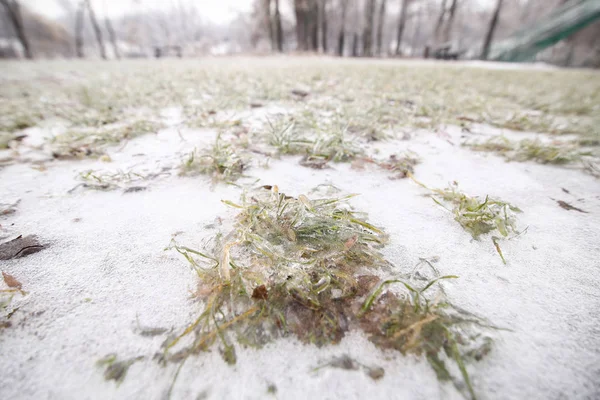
{"x":260,"y":293}
{"x":375,"y":373}
{"x":20,"y":247}
{"x":300,"y":93}
{"x":11,"y":281}
{"x":134,"y":189}
{"x":568,"y":207}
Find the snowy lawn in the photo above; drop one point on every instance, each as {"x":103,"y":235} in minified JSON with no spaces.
{"x":109,"y":164}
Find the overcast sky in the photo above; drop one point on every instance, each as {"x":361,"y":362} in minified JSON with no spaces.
{"x":217,"y":11}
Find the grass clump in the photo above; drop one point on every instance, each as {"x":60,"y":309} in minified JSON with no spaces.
{"x":529,"y":150}
{"x":401,"y":167}
{"x":541,"y":153}
{"x":284,"y":138}
{"x":317,"y":152}
{"x":294,"y":266}
{"x":8,"y":139}
{"x":335,"y":147}
{"x":130,"y":181}
{"x":115,"y":369}
{"x":18,"y":116}
{"x":479,"y":216}
{"x":92,"y":143}
{"x":412,"y":323}
{"x":556,"y":153}
{"x":222,"y":162}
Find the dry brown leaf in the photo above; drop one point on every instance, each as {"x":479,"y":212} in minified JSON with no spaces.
{"x":11,"y":281}
{"x":260,"y":293}
{"x":569,"y":207}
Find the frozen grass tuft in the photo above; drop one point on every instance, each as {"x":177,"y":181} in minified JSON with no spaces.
{"x":130,"y":180}
{"x":530,"y":150}
{"x":85,"y":143}
{"x":286,"y":140}
{"x":336,"y":147}
{"x":479,"y":216}
{"x":557,"y":153}
{"x":222,"y":162}
{"x":308,"y":267}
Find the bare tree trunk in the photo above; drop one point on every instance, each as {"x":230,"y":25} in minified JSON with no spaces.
{"x":440,"y":23}
{"x":368,"y":31}
{"x":278,"y":28}
{"x":417,"y":31}
{"x":79,"y":30}
{"x":401,"y":26}
{"x":113,"y":38}
{"x":342,"y":33}
{"x":13,"y":9}
{"x":448,"y":27}
{"x":490,"y":34}
{"x":323,"y":20}
{"x":380,"y":26}
{"x":269,"y":23}
{"x":313,"y":20}
{"x":97,"y":29}
{"x":355,"y":45}
{"x":300,"y":10}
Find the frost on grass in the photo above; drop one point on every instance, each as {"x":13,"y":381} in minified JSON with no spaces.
{"x":85,"y":143}
{"x":222,"y":162}
{"x":372,"y":98}
{"x":309,"y":268}
{"x":318,"y":147}
{"x":7,"y":139}
{"x":479,"y":216}
{"x":129,"y":181}
{"x":558,"y":153}
{"x":401,"y":166}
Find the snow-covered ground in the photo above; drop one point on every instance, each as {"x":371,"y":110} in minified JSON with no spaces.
{"x":105,"y":275}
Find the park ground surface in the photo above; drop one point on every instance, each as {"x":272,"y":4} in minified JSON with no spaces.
{"x":96,"y":162}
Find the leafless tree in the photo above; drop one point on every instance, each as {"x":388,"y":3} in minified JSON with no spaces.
{"x":79,"y":29}
{"x":440,"y":22}
{"x":401,"y":25}
{"x":278,"y":28}
{"x":490,"y":33}
{"x":355,"y":45}
{"x":307,"y":26}
{"x":97,"y":30}
{"x":450,"y":21}
{"x":368,"y":29}
{"x":13,"y":9}
{"x":301,"y":13}
{"x":381,"y":22}
{"x":323,"y":23}
{"x":313,"y":24}
{"x":112,"y":36}
{"x":269,"y":22}
{"x":342,"y":33}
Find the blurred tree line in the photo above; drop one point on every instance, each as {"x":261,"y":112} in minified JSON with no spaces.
{"x":367,"y":28}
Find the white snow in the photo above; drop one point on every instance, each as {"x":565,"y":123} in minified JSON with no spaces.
{"x":105,"y":268}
